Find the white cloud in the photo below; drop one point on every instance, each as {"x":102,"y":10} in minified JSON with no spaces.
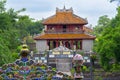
{"x":90,"y":9}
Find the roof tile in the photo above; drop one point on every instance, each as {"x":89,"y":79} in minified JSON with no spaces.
{"x":64,"y":36}
{"x":65,"y":17}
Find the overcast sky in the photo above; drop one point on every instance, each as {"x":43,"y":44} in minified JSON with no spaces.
{"x":90,"y":9}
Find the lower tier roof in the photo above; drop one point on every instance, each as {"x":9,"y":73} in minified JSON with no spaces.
{"x":64,"y":36}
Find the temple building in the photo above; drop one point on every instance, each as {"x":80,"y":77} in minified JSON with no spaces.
{"x":67,"y":28}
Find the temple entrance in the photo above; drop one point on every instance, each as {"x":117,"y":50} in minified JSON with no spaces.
{"x":61,"y":58}
{"x":63,"y":65}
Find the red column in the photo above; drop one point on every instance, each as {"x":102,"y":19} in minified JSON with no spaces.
{"x":56,"y":43}
{"x":63,"y":43}
{"x":71,"y":44}
{"x":67,"y":45}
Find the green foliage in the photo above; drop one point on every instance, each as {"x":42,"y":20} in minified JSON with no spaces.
{"x":115,"y":68}
{"x":108,"y":43}
{"x":2,"y":4}
{"x":78,"y":44}
{"x":13,"y":29}
{"x":81,"y":52}
{"x":72,"y":70}
{"x":27,"y":26}
{"x":85,"y":68}
{"x":35,"y":28}
{"x":103,"y":22}
{"x":51,"y":45}
{"x":5,"y":21}
{"x":98,"y":78}
{"x":15,"y":56}
{"x":54,"y":69}
{"x":93,"y":56}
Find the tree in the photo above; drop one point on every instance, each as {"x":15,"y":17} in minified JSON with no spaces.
{"x":2,"y":6}
{"x":8,"y":34}
{"x":22,"y":24}
{"x":13,"y":29}
{"x":35,"y":28}
{"x":116,"y":21}
{"x":5,"y":51}
{"x":103,"y":22}
{"x":108,"y":44}
{"x":27,"y":26}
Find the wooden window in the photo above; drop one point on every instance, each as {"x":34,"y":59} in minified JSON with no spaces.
{"x":64,"y":28}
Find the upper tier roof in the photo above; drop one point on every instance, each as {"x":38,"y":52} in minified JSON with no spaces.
{"x":64,"y":16}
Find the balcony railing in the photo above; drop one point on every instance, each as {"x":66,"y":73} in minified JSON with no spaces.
{"x":64,"y":32}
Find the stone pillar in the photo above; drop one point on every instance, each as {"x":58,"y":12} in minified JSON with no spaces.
{"x":48,"y":44}
{"x":67,"y":44}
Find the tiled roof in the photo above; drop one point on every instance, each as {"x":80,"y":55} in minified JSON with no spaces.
{"x":64,"y":17}
{"x":64,"y":36}
{"x":87,"y":29}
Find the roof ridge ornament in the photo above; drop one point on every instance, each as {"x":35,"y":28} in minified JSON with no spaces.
{"x":57,"y":9}
{"x":64,"y":9}
{"x":71,"y":9}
